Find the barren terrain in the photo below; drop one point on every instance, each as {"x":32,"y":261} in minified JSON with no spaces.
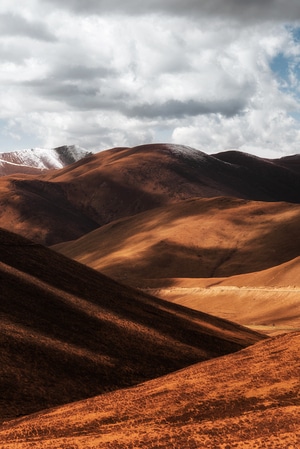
{"x":246,"y":400}
{"x":68,"y":332}
{"x":190,"y":253}
{"x":65,"y":204}
{"x":97,"y":360}
{"x":194,"y":238}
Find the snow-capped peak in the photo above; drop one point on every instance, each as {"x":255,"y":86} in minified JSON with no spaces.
{"x":43,"y":159}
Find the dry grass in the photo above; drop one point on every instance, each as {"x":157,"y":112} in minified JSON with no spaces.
{"x":68,"y":332}
{"x":246,"y":400}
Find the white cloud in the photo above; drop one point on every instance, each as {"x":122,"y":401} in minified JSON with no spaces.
{"x":87,"y":73}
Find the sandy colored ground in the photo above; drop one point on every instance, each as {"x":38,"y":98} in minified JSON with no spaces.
{"x":269,"y":310}
{"x":267,"y":301}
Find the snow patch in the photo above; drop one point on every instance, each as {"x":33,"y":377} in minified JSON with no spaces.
{"x":188,"y":152}
{"x":45,"y":159}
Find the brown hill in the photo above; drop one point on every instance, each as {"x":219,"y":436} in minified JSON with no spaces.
{"x":172,"y":253}
{"x":192,"y":239}
{"x":121,"y":182}
{"x":245,"y":400}
{"x":68,"y":332}
{"x":271,"y":167}
{"x":40,"y":211}
{"x":7,"y":168}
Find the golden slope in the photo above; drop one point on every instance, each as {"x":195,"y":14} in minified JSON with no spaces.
{"x":68,"y":332}
{"x":245,"y":400}
{"x":194,"y":238}
{"x":169,"y":251}
{"x":267,"y":300}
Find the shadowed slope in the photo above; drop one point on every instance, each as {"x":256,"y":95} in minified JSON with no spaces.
{"x":39,"y":210}
{"x":123,"y":182}
{"x":245,"y":400}
{"x":271,"y":169}
{"x":248,"y":161}
{"x":290,"y":162}
{"x":68,"y":332}
{"x":194,"y":238}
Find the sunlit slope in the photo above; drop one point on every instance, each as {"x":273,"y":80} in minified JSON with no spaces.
{"x":193,"y":239}
{"x":246,"y":400}
{"x":68,"y":332}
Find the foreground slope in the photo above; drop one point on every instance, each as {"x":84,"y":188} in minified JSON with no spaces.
{"x":68,"y":332}
{"x":193,"y":239}
{"x":122,"y":182}
{"x":245,"y":400}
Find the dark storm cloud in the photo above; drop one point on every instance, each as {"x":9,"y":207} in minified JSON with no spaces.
{"x":16,"y":25}
{"x":179,"y":109}
{"x":238,"y":9}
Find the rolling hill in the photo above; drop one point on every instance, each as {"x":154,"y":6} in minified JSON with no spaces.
{"x":267,"y":301}
{"x":217,"y":233}
{"x":68,"y":332}
{"x":197,"y":238}
{"x":245,"y":400}
{"x":190,"y":253}
{"x":121,"y":182}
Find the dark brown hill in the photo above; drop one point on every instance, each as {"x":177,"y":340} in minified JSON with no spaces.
{"x":121,"y":182}
{"x":265,"y":179}
{"x":245,"y":400}
{"x":68,"y":332}
{"x":290,"y":162}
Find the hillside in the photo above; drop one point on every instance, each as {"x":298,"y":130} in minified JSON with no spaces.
{"x":121,"y":182}
{"x":192,"y":239}
{"x":68,"y":332}
{"x":190,"y":253}
{"x":245,"y":400}
{"x":267,"y":301}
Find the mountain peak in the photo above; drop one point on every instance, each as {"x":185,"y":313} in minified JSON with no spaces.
{"x":34,"y":160}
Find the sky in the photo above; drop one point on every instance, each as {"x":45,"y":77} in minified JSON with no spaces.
{"x":216,"y":75}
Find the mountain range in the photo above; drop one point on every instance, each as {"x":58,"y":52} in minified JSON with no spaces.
{"x":165,"y":310}
{"x":37,"y":160}
{"x":65,"y":204}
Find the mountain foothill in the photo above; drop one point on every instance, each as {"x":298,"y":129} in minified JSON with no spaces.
{"x":149,"y":298}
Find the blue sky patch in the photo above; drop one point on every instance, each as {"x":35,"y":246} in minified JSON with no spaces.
{"x":280,"y":65}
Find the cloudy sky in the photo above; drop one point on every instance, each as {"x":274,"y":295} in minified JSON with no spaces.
{"x":212,"y":74}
